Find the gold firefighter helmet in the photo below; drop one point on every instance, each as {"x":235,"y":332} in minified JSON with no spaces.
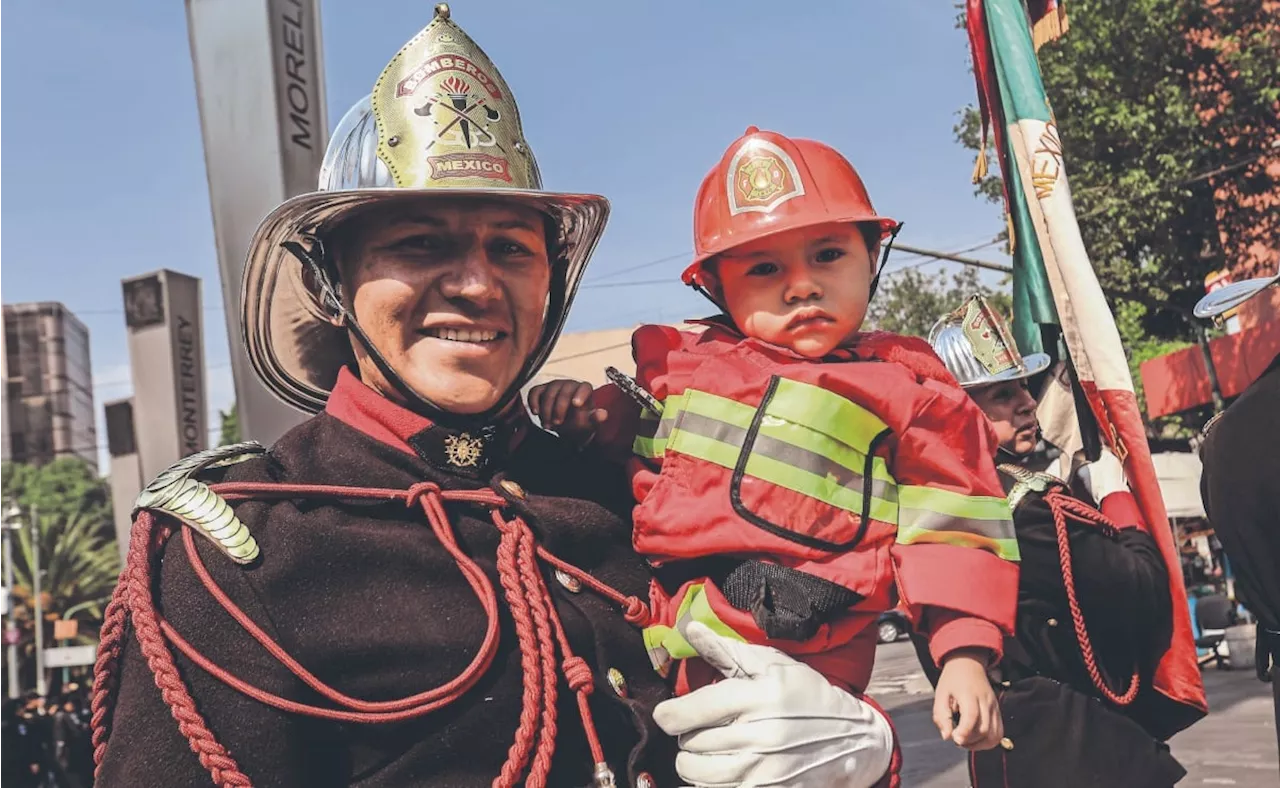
{"x":441,"y":123}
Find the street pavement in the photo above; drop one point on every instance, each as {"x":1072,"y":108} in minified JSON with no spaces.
{"x":1234,"y":746}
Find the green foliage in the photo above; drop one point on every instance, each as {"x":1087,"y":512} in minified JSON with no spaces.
{"x":911,"y":301}
{"x":230,"y":426}
{"x":77,"y":546}
{"x":80,"y":565}
{"x":1160,"y":104}
{"x":1140,"y":346}
{"x":63,"y":489}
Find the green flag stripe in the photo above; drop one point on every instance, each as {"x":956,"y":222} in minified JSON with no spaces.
{"x":1021,"y":90}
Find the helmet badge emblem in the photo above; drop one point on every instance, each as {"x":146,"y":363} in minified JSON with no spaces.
{"x":992,"y":346}
{"x":463,"y":450}
{"x":761,"y":177}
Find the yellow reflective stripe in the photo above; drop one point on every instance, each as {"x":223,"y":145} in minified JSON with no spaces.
{"x":665,"y":643}
{"x":796,"y":426}
{"x":719,"y":408}
{"x":968,"y":507}
{"x":929,"y":515}
{"x":823,"y":488}
{"x":1006,"y":548}
{"x":848,"y":422}
{"x":808,"y":438}
{"x":651,"y":438}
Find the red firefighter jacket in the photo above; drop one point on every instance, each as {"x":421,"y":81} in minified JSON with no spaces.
{"x":779,"y":498}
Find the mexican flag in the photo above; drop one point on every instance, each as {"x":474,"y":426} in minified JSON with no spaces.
{"x":1056,"y":293}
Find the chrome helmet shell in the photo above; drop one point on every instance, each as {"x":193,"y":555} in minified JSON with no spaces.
{"x":440,"y":124}
{"x":975,"y":344}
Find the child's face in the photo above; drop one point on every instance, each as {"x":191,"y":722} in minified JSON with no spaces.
{"x":804,"y":289}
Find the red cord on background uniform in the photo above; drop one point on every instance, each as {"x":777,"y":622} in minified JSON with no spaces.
{"x":1065,"y":507}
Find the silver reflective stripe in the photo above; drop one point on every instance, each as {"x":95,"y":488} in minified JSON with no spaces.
{"x":786,"y":453}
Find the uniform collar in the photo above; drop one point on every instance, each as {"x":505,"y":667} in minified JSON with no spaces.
{"x":472,"y":450}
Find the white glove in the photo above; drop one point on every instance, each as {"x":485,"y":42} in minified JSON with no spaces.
{"x":1103,"y":477}
{"x":773,"y":721}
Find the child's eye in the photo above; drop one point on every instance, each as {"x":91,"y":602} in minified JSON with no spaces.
{"x":762,"y":269}
{"x":830,"y":255}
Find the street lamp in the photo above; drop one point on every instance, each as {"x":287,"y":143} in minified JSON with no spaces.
{"x":12,"y":522}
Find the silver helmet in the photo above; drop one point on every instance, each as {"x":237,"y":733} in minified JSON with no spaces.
{"x":975,"y":344}
{"x":1224,"y":299}
{"x":440,"y":124}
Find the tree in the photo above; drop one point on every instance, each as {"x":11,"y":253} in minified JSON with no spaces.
{"x":910,"y":301}
{"x":62,"y":489}
{"x":1167,"y":110}
{"x":230,"y":422}
{"x":78,"y":555}
{"x":79,"y":566}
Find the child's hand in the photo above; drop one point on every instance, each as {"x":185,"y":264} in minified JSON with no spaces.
{"x":963,"y":688}
{"x":564,"y":407}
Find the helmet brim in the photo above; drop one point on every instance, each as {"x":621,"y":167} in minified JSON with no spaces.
{"x":1224,"y":299}
{"x":1032,"y":364}
{"x":295,"y":349}
{"x":887,"y":225}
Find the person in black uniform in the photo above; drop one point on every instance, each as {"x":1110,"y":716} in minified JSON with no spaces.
{"x":1240,"y":486}
{"x":1094,"y":608}
{"x":417,"y":586}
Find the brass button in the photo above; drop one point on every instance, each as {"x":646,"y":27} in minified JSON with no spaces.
{"x":571,"y":584}
{"x":618,"y":682}
{"x":512,"y":489}
{"x":1006,"y":743}
{"x":645,"y":780}
{"x":1053,"y":622}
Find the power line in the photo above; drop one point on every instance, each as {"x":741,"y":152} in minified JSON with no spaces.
{"x":937,"y":255}
{"x":639,"y":283}
{"x":638,"y":266}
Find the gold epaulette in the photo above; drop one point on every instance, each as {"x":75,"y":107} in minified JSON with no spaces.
{"x":177,"y":493}
{"x":1027,"y":481}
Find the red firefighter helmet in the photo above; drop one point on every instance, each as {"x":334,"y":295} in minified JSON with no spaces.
{"x":767,"y":183}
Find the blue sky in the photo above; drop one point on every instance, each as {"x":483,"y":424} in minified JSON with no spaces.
{"x":104,"y":173}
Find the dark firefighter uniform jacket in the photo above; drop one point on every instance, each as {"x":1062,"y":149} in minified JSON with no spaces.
{"x":1064,"y":731}
{"x":365,"y":597}
{"x":1241,"y":491}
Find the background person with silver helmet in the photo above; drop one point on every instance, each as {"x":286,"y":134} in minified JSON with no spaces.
{"x":1094,"y":612}
{"x":1240,"y":486}
{"x":416,"y":587}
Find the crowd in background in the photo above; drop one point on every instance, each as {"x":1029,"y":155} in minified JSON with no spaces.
{"x":47,"y":740}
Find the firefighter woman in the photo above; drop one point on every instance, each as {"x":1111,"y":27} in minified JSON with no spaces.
{"x":1094,"y":609}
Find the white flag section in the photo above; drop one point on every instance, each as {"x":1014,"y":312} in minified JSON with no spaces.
{"x":1087,"y":325}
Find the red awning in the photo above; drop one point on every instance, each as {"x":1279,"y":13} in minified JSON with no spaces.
{"x":1177,"y":381}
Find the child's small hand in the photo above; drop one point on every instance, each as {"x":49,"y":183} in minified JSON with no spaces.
{"x":963,"y":688}
{"x":564,"y":407}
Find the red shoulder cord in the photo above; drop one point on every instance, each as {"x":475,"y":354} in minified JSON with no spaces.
{"x":538,"y":629}
{"x":1065,"y":507}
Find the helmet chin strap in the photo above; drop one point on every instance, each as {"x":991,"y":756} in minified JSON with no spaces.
{"x":884,"y":258}
{"x":318,"y":262}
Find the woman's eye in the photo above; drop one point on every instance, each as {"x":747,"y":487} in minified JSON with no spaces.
{"x":762,"y":269}
{"x":830,"y":255}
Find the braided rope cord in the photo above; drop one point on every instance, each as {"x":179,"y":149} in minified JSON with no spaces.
{"x":538,"y":629}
